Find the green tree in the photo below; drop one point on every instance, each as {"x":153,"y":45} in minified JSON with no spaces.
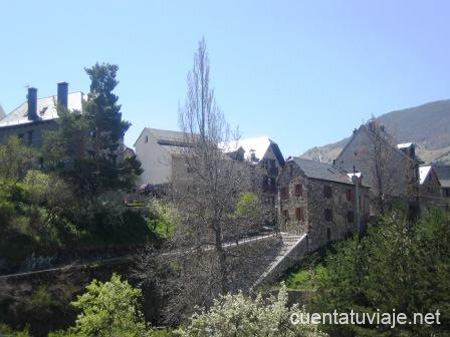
{"x":399,"y":265}
{"x":87,"y":148}
{"x":15,"y":159}
{"x":110,"y":309}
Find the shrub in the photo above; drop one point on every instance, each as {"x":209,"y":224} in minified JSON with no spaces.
{"x":238,"y":315}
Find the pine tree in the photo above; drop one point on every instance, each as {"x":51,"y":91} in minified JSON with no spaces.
{"x":87,"y":149}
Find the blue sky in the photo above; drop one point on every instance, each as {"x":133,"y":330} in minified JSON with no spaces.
{"x":305,"y":73}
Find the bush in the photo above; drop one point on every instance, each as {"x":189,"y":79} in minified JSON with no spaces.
{"x":108,"y":309}
{"x":237,"y":315}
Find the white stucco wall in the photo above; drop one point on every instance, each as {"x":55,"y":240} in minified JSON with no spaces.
{"x":156,"y":161}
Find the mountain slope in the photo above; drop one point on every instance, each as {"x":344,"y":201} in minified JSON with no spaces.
{"x":427,"y":125}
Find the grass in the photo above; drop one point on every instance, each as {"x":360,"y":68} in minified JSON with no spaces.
{"x":302,"y":276}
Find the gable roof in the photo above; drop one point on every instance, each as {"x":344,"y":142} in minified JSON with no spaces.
{"x":173,"y":142}
{"x":315,"y":170}
{"x":443,"y":174}
{"x":257,"y":146}
{"x":46,"y":110}
{"x":424,"y":171}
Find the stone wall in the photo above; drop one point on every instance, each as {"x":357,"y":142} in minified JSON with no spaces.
{"x":314,"y":203}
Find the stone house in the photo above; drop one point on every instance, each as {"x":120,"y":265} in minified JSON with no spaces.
{"x":430,"y":194}
{"x":29,"y":120}
{"x":265,"y":156}
{"x":443,"y":175}
{"x":320,"y":200}
{"x":388,"y":168}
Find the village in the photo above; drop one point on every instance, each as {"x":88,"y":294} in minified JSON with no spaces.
{"x":326,"y":202}
{"x":224,"y":169}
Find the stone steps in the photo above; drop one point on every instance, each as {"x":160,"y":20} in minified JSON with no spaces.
{"x":290,"y":242}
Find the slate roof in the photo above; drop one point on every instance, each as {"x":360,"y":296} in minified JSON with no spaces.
{"x":46,"y":109}
{"x":443,"y":174}
{"x":167,"y":135}
{"x":172,"y":141}
{"x":321,"y":171}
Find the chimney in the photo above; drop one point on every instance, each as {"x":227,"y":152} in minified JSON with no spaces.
{"x":32,"y":104}
{"x":63,"y":94}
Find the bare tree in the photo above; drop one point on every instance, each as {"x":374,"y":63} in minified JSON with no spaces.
{"x":204,"y":258}
{"x":392,"y":171}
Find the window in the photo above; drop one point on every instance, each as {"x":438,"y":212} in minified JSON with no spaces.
{"x":284,"y":193}
{"x":328,"y":234}
{"x":298,"y":190}
{"x":328,"y":214}
{"x":29,"y":137}
{"x":299,"y":214}
{"x":447,"y":192}
{"x":350,"y":194}
{"x":146,"y":139}
{"x":286,"y":215}
{"x":350,"y":217}
{"x":271,"y":163}
{"x":327,"y":192}
{"x":272,"y":183}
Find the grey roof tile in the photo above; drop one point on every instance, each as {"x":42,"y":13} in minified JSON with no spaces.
{"x":321,"y":171}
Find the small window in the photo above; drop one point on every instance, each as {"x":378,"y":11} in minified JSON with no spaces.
{"x":327,"y":192}
{"x":286,"y":215}
{"x":272,"y":183}
{"x":350,"y":217}
{"x":298,"y":190}
{"x":447,"y":192}
{"x":284,"y":193}
{"x":299,"y":214}
{"x":146,"y":139}
{"x":29,"y":137}
{"x":328,"y":214}
{"x":328,"y":234}
{"x":349,"y":194}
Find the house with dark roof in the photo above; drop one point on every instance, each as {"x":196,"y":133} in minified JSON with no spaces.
{"x":321,"y":200}
{"x":30,"y":119}
{"x":443,"y":175}
{"x":434,"y":186}
{"x":389,"y":169}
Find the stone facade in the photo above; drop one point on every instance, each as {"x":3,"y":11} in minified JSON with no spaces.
{"x":398,"y":166}
{"x":326,"y":210}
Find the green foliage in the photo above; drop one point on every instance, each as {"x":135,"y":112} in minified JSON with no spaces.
{"x":162,"y":219}
{"x":399,"y":265}
{"x":86,"y":150}
{"x":249,"y":206}
{"x":238,"y":315}
{"x":15,"y":159}
{"x":8,"y":332}
{"x":304,"y":279}
{"x":109,"y":309}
